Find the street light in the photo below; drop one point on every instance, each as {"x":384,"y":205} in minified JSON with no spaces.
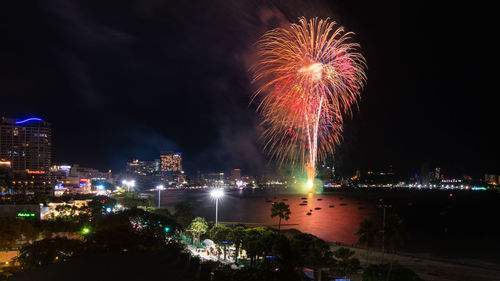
{"x":159,"y":187}
{"x":128,"y":183}
{"x":383,"y":206}
{"x":216,"y":194}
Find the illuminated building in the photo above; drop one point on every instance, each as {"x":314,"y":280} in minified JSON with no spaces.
{"x":25,"y":143}
{"x":491,"y":179}
{"x":171,"y":162}
{"x":235,"y":174}
{"x":437,"y":173}
{"x":143,"y":168}
{"x":213,"y":179}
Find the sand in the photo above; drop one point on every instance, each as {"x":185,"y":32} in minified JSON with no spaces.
{"x":433,"y":269}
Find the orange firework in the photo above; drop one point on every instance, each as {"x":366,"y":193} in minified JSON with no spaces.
{"x":309,"y":76}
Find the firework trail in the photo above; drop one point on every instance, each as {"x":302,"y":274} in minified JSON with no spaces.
{"x":309,"y":76}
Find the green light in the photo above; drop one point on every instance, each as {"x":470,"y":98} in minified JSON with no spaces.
{"x":25,"y":214}
{"x":167,"y":229}
{"x":85,"y":230}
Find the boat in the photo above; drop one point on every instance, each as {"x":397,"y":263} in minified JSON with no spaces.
{"x":317,"y":208}
{"x":303,"y":198}
{"x":309,"y":213}
{"x":331,"y":206}
{"x":343,"y":204}
{"x":302,"y":204}
{"x":319,"y":199}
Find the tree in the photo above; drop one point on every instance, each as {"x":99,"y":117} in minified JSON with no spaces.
{"x":252,"y":243}
{"x":48,"y":251}
{"x":133,"y":229}
{"x":220,"y":234}
{"x":344,"y":264}
{"x":132,"y":200}
{"x":237,"y":235}
{"x":395,"y":236}
{"x":281,"y":210}
{"x":311,"y":252}
{"x":367,"y":235}
{"x":183,"y":213}
{"x":12,"y":230}
{"x":198,"y":227}
{"x":66,"y":210}
{"x":99,"y":204}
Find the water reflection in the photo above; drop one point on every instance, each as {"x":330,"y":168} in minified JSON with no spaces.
{"x":337,"y":223}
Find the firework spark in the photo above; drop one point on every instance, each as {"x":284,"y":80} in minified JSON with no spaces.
{"x":310,"y":75}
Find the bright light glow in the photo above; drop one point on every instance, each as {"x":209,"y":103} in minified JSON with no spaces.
{"x":160,"y":186}
{"x":28,"y":120}
{"x":309,"y":184}
{"x":85,"y":230}
{"x":217,"y":193}
{"x":313,"y":70}
{"x":128,"y":183}
{"x":167,"y":229}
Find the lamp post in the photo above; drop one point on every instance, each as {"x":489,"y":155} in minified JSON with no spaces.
{"x":159,"y":187}
{"x":216,"y":194}
{"x":128,"y":183}
{"x":383,"y":206}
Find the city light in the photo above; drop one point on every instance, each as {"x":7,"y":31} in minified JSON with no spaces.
{"x":216,"y":194}
{"x":86,"y":230}
{"x":159,"y":188}
{"x":128,"y":184}
{"x":28,"y":120}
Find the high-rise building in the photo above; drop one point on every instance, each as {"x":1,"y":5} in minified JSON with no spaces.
{"x":236,"y":174}
{"x":25,"y":143}
{"x":437,"y":173}
{"x":491,"y":179}
{"x":171,"y":162}
{"x":143,"y":168}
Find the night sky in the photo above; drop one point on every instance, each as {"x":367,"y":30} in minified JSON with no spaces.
{"x":122,"y":79}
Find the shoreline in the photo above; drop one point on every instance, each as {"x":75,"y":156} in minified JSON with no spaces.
{"x":430,"y":268}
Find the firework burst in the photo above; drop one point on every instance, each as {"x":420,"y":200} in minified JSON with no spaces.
{"x":309,"y":75}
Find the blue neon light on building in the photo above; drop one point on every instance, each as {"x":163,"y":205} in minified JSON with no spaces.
{"x":28,"y":120}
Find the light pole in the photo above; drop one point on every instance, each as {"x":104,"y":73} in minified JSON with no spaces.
{"x":128,"y":183}
{"x":216,"y":194}
{"x":159,"y":187}
{"x":383,"y":206}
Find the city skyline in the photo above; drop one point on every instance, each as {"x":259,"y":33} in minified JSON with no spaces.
{"x":170,"y":161}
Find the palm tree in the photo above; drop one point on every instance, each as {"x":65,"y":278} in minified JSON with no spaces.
{"x":237,"y":235}
{"x":198,"y":227}
{"x":367,"y":235}
{"x":395,"y":236}
{"x":282,"y":211}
